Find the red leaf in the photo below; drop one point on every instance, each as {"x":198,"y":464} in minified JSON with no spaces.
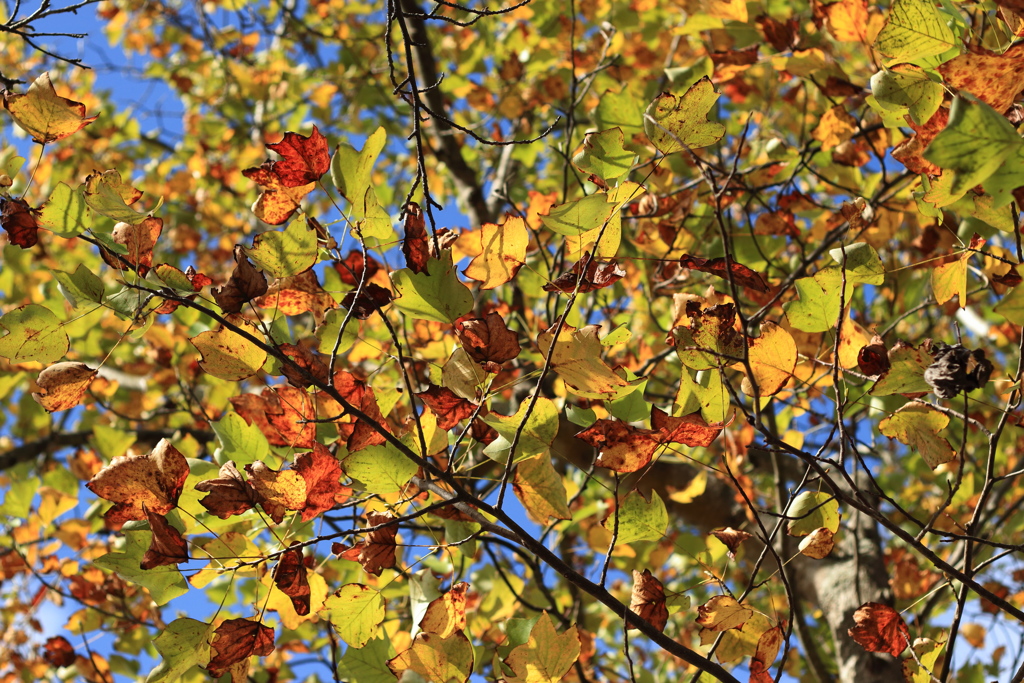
{"x":310,"y":366}
{"x":372,"y":298}
{"x":235,"y":641}
{"x":290,"y":578}
{"x":689,"y":430}
{"x":57,"y":651}
{"x":880,"y":628}
{"x":19,"y":220}
{"x":622,"y":447}
{"x":449,"y":407}
{"x":361,"y":396}
{"x":246,"y":284}
{"x":648,"y":599}
{"x":740,"y":274}
{"x":305,"y":158}
{"x":167,"y":545}
{"x":277,"y":202}
{"x":415,"y":246}
{"x":229,"y":493}
{"x":282,"y":414}
{"x":351,"y":269}
{"x":597,"y":274}
{"x":198,"y":280}
{"x":488,"y":340}
{"x":322,"y":472}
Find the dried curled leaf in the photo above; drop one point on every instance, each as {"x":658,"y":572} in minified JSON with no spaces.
{"x":134,"y":482}
{"x":731,"y":270}
{"x":488,"y":340}
{"x":20,"y":221}
{"x":234,"y":642}
{"x":229,"y":493}
{"x":415,"y":245}
{"x":290,"y":578}
{"x":957,"y":369}
{"x":57,"y":651}
{"x":377,"y":552}
{"x":588,"y":274}
{"x":648,"y":599}
{"x":449,"y":408}
{"x":732,"y":538}
{"x":246,"y":283}
{"x":322,"y":473}
{"x":372,"y":298}
{"x":63,"y":385}
{"x":167,"y":545}
{"x":622,"y":447}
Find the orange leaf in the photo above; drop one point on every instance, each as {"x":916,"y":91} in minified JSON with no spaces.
{"x":277,"y":202}
{"x":378,"y":551}
{"x":234,"y":642}
{"x":280,"y":490}
{"x":57,"y":651}
{"x":133,"y":481}
{"x":447,"y":614}
{"x":648,"y":599}
{"x":767,"y":650}
{"x":689,"y":430}
{"x":322,"y":473}
{"x":297,"y":294}
{"x":622,"y":447}
{"x":722,"y":613}
{"x":993,"y":78}
{"x":305,"y":158}
{"x":449,"y":408}
{"x":503,"y":252}
{"x":43,"y":114}
{"x":880,"y":628}
{"x":62,"y":386}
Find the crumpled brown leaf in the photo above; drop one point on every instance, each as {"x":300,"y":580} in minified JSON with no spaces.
{"x":488,"y":340}
{"x":234,"y":642}
{"x":447,"y":406}
{"x":167,"y":545}
{"x":415,"y":246}
{"x":589,"y":274}
{"x":377,"y":552}
{"x":246,"y":283}
{"x":20,"y":222}
{"x":229,"y":493}
{"x":153,"y":480}
{"x":290,"y":578}
{"x":648,"y":599}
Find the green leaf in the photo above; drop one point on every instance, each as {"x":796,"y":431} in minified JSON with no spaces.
{"x":173,"y":278}
{"x":81,"y":286}
{"x":675,"y":123}
{"x":242,"y":442}
{"x":918,"y":426}
{"x":356,"y":612}
{"x":817,"y":310}
{"x":638,"y":519}
{"x":351,"y":169}
{"x":537,"y":434}
{"x":579,"y":215}
{"x":906,"y":372}
{"x":584,"y":417}
{"x":1007,"y":178}
{"x":1012,"y":306}
{"x":379,"y":469}
{"x":183,"y":643}
{"x":436,"y":295}
{"x":164,"y":583}
{"x":914,"y":30}
{"x":974,"y":144}
{"x":327,"y":333}
{"x":907,"y":88}
{"x":106,"y":194}
{"x":66,"y":212}
{"x":604,"y":156}
{"x":110,"y":442}
{"x":632,"y":407}
{"x":18,"y":497}
{"x":813,"y":510}
{"x":33,"y":334}
{"x":862,"y":263}
{"x":283,"y":253}
{"x":375,"y":226}
{"x":368,"y":664}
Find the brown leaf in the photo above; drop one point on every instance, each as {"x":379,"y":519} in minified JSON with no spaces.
{"x":995,"y":79}
{"x":595,"y":275}
{"x":378,"y":550}
{"x":282,"y":413}
{"x":229,"y":493}
{"x":910,"y":152}
{"x":246,"y":284}
{"x":351,"y":269}
{"x":732,"y":538}
{"x":57,"y":651}
{"x":736,"y":272}
{"x":622,"y":447}
{"x":277,"y":202}
{"x":449,"y":407}
{"x":235,"y":641}
{"x":360,"y":395}
{"x":290,"y":578}
{"x":488,"y":340}
{"x":781,"y":35}
{"x":648,"y":599}
{"x":305,"y":158}
{"x":62,"y":385}
{"x":372,"y":298}
{"x":153,"y":480}
{"x":167,"y":545}
{"x":311,"y":366}
{"x":19,"y":220}
{"x":139,"y":239}
{"x":873,"y":359}
{"x":415,"y":246}
{"x":322,"y":473}
{"x":818,"y":544}
{"x":297,"y":294}
{"x":767,"y":650}
{"x":880,"y":628}
{"x":997,"y":589}
{"x":689,"y":430}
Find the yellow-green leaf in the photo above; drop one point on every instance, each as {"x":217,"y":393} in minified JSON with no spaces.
{"x":357,"y":612}
{"x":536,"y":436}
{"x":283,"y":253}
{"x":576,"y":357}
{"x":639,"y":520}
{"x":33,"y":334}
{"x":547,"y":656}
{"x":447,"y":660}
{"x":914,"y":30}
{"x":540,"y":489}
{"x":227,"y":355}
{"x":675,"y":123}
{"x":772,"y":358}
{"x":918,"y":426}
{"x":813,"y":510}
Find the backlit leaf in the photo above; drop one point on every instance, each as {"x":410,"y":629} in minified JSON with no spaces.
{"x":33,"y":334}
{"x":772,"y":358}
{"x":234,"y":642}
{"x":536,"y":434}
{"x":812,"y":510}
{"x":351,"y":169}
{"x":639,"y":520}
{"x":228,"y":355}
{"x":674,"y":123}
{"x":546,"y":656}
{"x":906,"y":87}
{"x":437,"y":659}
{"x":503,"y":252}
{"x":918,"y":426}
{"x":63,"y":385}
{"x":576,"y":357}
{"x":905,"y":373}
{"x":183,"y":643}
{"x":306,"y":158}
{"x":722,"y":613}
{"x":540,"y":489}
{"x":880,"y":628}
{"x":648,"y":599}
{"x":356,"y":612}
{"x":435,"y":295}
{"x":132,"y":482}
{"x":603,"y":155}
{"x":914,"y":30}
{"x":45,"y":115}
{"x":283,"y":253}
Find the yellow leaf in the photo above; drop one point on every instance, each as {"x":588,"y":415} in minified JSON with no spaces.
{"x":772,"y":358}
{"x":45,"y":115}
{"x":546,"y":656}
{"x":502,"y":254}
{"x":835,"y":127}
{"x":852,"y":338}
{"x":227,"y":355}
{"x":918,"y":426}
{"x":722,"y":613}
{"x":286,"y":488}
{"x":62,"y":386}
{"x":576,"y":357}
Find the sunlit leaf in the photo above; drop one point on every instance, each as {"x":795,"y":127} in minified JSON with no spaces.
{"x":45,"y":115}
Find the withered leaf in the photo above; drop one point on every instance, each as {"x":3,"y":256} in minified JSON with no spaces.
{"x":589,"y":274}
{"x":297,"y":294}
{"x":167,"y":545}
{"x":622,"y":447}
{"x":139,"y":239}
{"x":310,"y":366}
{"x":20,"y":222}
{"x":372,"y":298}
{"x":282,"y":413}
{"x":957,"y":369}
{"x":351,"y":269}
{"x":360,"y":395}
{"x":57,"y":651}
{"x":737,"y":272}
{"x":689,"y":430}
{"x":415,"y":246}
{"x":229,"y":493}
{"x":235,"y":641}
{"x":153,"y":480}
{"x":648,"y":599}
{"x":62,"y":385}
{"x":290,"y":578}
{"x":378,"y":550}
{"x":306,"y":158}
{"x":322,"y":474}
{"x":449,"y":407}
{"x":246,"y":283}
{"x":722,"y":613}
{"x":488,"y":340}
{"x":732,"y":538}
{"x":873,"y":359}
{"x":767,"y":650}
{"x":880,"y":628}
